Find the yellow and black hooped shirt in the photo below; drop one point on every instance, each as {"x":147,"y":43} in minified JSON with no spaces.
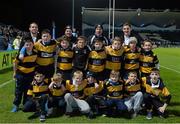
{"x":131,"y":88}
{"x":46,"y":53}
{"x":131,"y":59}
{"x":65,"y":58}
{"x":148,"y":60}
{"x":157,"y":90}
{"x":91,"y":89}
{"x":38,"y":89}
{"x":114,"y":58}
{"x":76,"y":90}
{"x":96,"y":61}
{"x":57,"y":91}
{"x":28,"y":64}
{"x":114,"y":90}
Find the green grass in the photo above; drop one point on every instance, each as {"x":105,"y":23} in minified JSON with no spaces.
{"x":169,"y":58}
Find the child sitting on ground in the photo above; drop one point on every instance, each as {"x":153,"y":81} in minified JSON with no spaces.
{"x":155,"y":92}
{"x":133,"y":94}
{"x":57,"y":91}
{"x":38,"y":93}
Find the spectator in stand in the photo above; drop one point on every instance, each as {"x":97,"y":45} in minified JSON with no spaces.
{"x":17,"y":42}
{"x":98,"y":34}
{"x":74,"y":32}
{"x":3,"y":43}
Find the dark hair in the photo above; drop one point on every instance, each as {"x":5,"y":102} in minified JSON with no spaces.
{"x":26,"y":38}
{"x":155,"y":69}
{"x":98,"y":39}
{"x":99,"y":26}
{"x":90,"y":74}
{"x":68,"y":27}
{"x":127,"y":24}
{"x":33,"y":23}
{"x":45,"y":31}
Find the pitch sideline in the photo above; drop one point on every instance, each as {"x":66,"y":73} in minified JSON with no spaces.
{"x":5,"y":83}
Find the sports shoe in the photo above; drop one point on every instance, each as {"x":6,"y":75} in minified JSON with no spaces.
{"x":134,"y":115}
{"x":15,"y":108}
{"x":34,"y":115}
{"x":49,"y":112}
{"x":91,"y":115}
{"x":42,"y":118}
{"x":149,"y":115}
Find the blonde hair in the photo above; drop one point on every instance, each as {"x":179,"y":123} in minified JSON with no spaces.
{"x":147,"y":40}
{"x":132,"y":40}
{"x":82,"y":38}
{"x":117,"y":39}
{"x":56,"y":77}
{"x":114,"y":73}
{"x":77,"y":74}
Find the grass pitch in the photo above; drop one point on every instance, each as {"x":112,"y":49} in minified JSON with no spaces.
{"x":170,"y":72}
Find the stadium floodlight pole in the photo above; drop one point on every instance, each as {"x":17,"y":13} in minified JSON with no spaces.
{"x":72,"y":14}
{"x":53,"y":30}
{"x":109,"y":33}
{"x":114,"y":3}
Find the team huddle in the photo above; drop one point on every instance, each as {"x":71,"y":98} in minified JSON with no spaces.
{"x":91,"y":78}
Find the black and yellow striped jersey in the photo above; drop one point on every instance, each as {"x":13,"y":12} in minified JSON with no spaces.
{"x":131,"y":59}
{"x":159,"y":90}
{"x":76,"y":90}
{"x":114,"y":58}
{"x":46,"y":53}
{"x":114,"y":90}
{"x":131,"y":88}
{"x":65,"y":58}
{"x":91,"y":89}
{"x":96,"y":61}
{"x":57,"y":91}
{"x":148,"y":60}
{"x":38,"y":89}
{"x":28,"y":64}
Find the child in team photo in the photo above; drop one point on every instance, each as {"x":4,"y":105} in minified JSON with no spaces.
{"x":56,"y":97}
{"x":24,"y":68}
{"x":157,"y":96}
{"x":65,"y":58}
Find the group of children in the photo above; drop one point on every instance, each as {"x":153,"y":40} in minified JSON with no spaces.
{"x":91,"y":80}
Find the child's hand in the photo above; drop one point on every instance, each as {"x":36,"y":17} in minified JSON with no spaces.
{"x":161,"y":109}
{"x":96,"y":85}
{"x":128,"y":80}
{"x":34,"y":82}
{"x":22,"y":53}
{"x":14,"y":75}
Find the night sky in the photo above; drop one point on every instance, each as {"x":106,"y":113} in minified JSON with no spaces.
{"x":21,"y":12}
